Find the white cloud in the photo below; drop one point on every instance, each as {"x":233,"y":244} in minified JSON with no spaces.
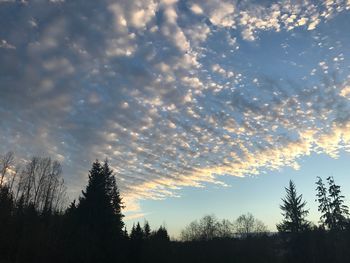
{"x":6,"y":45}
{"x":196,"y":9}
{"x":163,"y":91}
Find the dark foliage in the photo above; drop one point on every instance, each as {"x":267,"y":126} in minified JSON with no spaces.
{"x":293,"y":211}
{"x":34,"y":229}
{"x":334,"y":213}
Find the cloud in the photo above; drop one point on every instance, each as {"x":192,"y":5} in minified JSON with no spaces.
{"x":174,"y":94}
{"x":5,"y":44}
{"x":135,"y":216}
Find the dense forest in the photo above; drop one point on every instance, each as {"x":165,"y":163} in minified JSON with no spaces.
{"x":37,"y":224}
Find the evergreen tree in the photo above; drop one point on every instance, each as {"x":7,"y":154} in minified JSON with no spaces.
{"x":331,"y":204}
{"x":71,"y":208}
{"x":137,"y":233}
{"x":136,"y":243}
{"x":340,"y":211}
{"x":99,"y":215}
{"x":125,"y":234}
{"x":147,"y":229}
{"x":161,"y":234}
{"x":324,"y":203}
{"x":101,"y":202}
{"x":294,"y":212}
{"x":114,"y":196}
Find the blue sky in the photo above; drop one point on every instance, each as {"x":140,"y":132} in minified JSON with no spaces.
{"x":260,"y":195}
{"x":186,"y":99}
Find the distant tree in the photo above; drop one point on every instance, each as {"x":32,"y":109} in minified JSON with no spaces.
{"x":294,"y":212}
{"x":246,"y":225}
{"x":209,"y":227}
{"x":331,"y":204}
{"x":125,"y":234}
{"x":206,"y":229}
{"x":137,"y":238}
{"x":137,"y":233}
{"x":161,"y":234}
{"x":147,"y":230}
{"x":6,"y":161}
{"x":191,"y":232}
{"x":157,"y":247}
{"x":225,"y":229}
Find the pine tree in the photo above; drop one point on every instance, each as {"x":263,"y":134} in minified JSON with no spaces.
{"x":294,"y":212}
{"x":136,"y":243}
{"x":114,"y":197}
{"x":125,"y":234}
{"x":137,"y":233}
{"x":161,"y":234}
{"x":101,"y":203}
{"x":99,"y":214}
{"x":147,"y":229}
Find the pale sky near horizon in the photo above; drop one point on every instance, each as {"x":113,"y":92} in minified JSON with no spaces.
{"x":259,"y":195}
{"x":200,"y":106}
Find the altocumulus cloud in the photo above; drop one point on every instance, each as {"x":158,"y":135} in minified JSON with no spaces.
{"x":174,"y":93}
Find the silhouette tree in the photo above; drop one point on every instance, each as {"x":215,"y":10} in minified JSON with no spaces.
{"x":125,"y":234}
{"x":159,"y":247}
{"x":114,"y":196}
{"x":225,"y":229}
{"x":6,"y":209}
{"x":206,"y":229}
{"x":31,"y":202}
{"x":147,"y":230}
{"x":209,"y":228}
{"x":6,"y":161}
{"x":136,"y":243}
{"x":41,"y":184}
{"x":32,"y":228}
{"x":137,"y":233}
{"x":331,"y":204}
{"x":294,"y":212}
{"x":246,"y":225}
{"x":99,"y":215}
{"x":324,"y":204}
{"x":161,"y":234}
{"x":340,"y":211}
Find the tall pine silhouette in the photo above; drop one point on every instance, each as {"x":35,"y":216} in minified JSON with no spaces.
{"x":99,"y":216}
{"x":294,"y":212}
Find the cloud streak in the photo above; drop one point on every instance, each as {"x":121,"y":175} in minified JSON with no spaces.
{"x":174,"y":93}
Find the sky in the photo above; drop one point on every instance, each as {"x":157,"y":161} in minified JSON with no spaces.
{"x":201,"y":107}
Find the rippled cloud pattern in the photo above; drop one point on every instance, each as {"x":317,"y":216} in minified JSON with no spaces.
{"x":174,"y":93}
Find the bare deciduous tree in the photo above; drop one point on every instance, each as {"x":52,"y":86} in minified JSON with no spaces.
{"x":40,"y":183}
{"x":246,"y":225}
{"x":6,"y":162}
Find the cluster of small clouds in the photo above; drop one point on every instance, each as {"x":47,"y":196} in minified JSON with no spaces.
{"x":251,"y":17}
{"x":158,"y":87}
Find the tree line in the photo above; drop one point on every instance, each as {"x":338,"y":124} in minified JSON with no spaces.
{"x":37,"y":224}
{"x":209,"y":227}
